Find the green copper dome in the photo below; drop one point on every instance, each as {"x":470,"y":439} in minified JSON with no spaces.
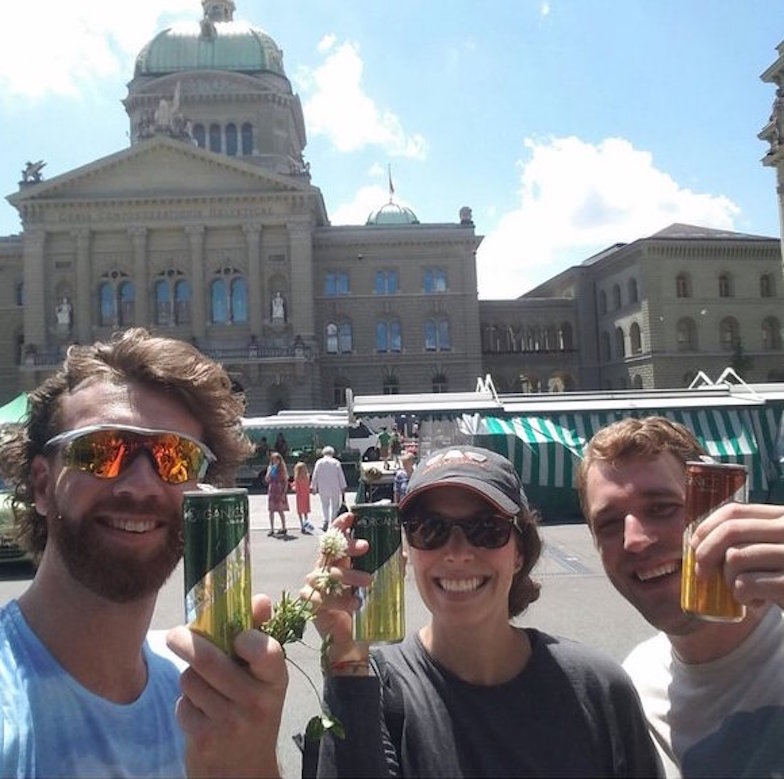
{"x":210,"y":45}
{"x":392,"y":214}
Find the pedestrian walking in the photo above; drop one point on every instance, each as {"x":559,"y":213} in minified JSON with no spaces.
{"x":329,"y":483}
{"x":302,"y":491}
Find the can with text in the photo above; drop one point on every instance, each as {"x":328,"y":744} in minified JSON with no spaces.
{"x":217,"y":564}
{"x":381,"y":616}
{"x":708,"y":486}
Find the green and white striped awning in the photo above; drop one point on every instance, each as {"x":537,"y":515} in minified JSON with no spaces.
{"x":546,"y":449}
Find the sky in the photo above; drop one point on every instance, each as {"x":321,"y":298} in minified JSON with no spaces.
{"x":565,"y":125}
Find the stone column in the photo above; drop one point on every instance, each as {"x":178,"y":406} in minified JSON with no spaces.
{"x":142,"y":302}
{"x":255,"y":305}
{"x":195,"y":235}
{"x":36,"y":316}
{"x":84,"y":305}
{"x":300,"y":302}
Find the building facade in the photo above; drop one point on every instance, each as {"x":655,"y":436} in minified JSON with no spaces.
{"x":208,"y":228}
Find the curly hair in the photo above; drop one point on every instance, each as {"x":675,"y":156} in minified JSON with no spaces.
{"x":134,"y":355}
{"x":634,"y":438}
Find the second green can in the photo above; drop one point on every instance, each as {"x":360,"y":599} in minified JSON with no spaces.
{"x":381,"y":617}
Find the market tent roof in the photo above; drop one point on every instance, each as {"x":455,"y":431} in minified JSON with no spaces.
{"x":14,"y":411}
{"x":546,"y":450}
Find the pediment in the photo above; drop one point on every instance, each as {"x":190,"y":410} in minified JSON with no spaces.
{"x":159,"y":167}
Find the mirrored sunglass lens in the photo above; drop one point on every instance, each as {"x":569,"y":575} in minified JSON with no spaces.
{"x":177,"y":459}
{"x":428,"y":533}
{"x":99,"y":453}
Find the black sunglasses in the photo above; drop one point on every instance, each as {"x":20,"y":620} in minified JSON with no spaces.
{"x":432,"y":531}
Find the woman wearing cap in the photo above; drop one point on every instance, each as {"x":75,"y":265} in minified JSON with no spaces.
{"x":470,"y":694}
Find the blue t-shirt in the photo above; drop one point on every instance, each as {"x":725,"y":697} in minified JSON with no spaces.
{"x":51,"y":726}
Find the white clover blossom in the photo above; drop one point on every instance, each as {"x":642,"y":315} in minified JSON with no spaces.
{"x":328,"y":585}
{"x":333,"y":545}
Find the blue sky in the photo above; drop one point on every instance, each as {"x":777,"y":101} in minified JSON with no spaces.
{"x":566,"y":125}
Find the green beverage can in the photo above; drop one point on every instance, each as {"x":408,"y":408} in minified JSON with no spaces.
{"x":381,"y":616}
{"x":217,"y":564}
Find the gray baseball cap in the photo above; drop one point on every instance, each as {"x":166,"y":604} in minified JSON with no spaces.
{"x":482,"y":471}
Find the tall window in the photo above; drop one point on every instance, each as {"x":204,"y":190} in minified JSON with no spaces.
{"x":633,"y":292}
{"x":440,"y":383}
{"x":635,"y":337}
{"x":172,"y":299}
{"x":616,"y":293}
{"x":771,"y":333}
{"x":231,"y":139}
{"x":229,"y":297}
{"x":247,"y":139}
{"x":565,"y":342}
{"x":386,"y":282}
{"x":199,"y":135}
{"x":729,"y":333}
{"x":620,"y":347}
{"x":338,"y":337}
{"x":725,"y":286}
{"x":391,"y":385}
{"x":116,"y":300}
{"x":335,"y":284}
{"x":437,"y":338}
{"x":215,"y":137}
{"x":767,"y":285}
{"x":19,"y":294}
{"x":435,"y":280}
{"x":686,"y":335}
{"x":682,"y":286}
{"x":339,"y":387}
{"x":388,"y":335}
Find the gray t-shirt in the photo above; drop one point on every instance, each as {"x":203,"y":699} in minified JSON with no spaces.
{"x":572,"y":711}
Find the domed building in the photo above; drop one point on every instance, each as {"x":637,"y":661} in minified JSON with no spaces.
{"x":208,"y":228}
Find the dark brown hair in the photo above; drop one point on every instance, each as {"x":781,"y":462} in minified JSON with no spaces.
{"x":133,"y":355}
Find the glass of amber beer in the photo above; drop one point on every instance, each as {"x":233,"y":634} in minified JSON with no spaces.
{"x":708,"y":486}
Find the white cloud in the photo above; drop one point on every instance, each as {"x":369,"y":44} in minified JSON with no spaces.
{"x":577,"y":198}
{"x":69,"y":46}
{"x":338,"y":107}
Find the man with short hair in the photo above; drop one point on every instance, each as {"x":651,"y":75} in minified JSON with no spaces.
{"x":329,"y":483}
{"x":98,"y":469}
{"x":713,"y":692}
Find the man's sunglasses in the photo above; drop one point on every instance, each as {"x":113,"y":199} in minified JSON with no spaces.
{"x":105,"y":451}
{"x":432,"y":531}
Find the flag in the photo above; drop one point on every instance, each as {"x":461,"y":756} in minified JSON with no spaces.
{"x":391,"y":186}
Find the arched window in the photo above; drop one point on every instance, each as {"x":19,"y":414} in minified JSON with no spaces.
{"x":108,"y":312}
{"x":339,"y":337}
{"x":391,"y":385}
{"x":633,"y":292}
{"x":388,"y":336}
{"x":682,"y":286}
{"x":565,"y":337}
{"x":386,"y":282}
{"x":182,"y":302}
{"x":239,"y":300}
{"x":620,"y":343}
{"x":199,"y":135}
{"x":247,"y":139}
{"x":339,"y":387}
{"x":616,"y":293}
{"x":231,"y":139}
{"x":437,"y":337}
{"x":725,"y":285}
{"x":767,"y":285}
{"x":440,"y":383}
{"x":228,"y":297}
{"x":163,"y":312}
{"x":219,"y":301}
{"x":635,"y":337}
{"x":127,"y":299}
{"x":729,"y":333}
{"x":686,"y":335}
{"x":215,"y":137}
{"x":771,"y":334}
{"x":637,"y":381}
{"x":602,"y":302}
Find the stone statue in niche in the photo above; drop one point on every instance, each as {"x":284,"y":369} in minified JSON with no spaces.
{"x":278,"y":308}
{"x":64,"y":313}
